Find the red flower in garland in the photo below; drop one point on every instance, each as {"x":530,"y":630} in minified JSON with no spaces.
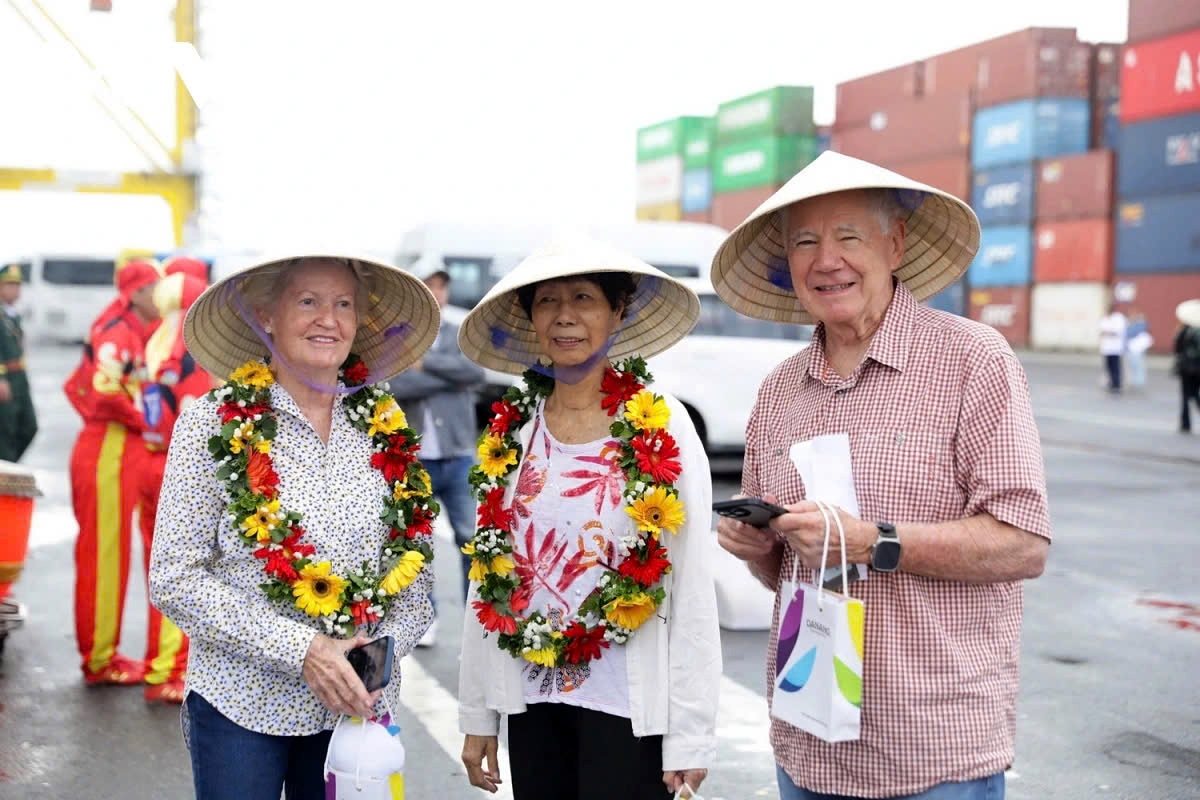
{"x":504,"y":415}
{"x":261,"y":475}
{"x":362,"y":614}
{"x":618,"y":387}
{"x":518,"y":601}
{"x":584,"y":645}
{"x":492,"y":513}
{"x":393,"y":460}
{"x":657,"y":456}
{"x":646,"y":571}
{"x":279,"y":557}
{"x":421,"y":524}
{"x":230,"y":411}
{"x":493,"y":620}
{"x":356,"y":375}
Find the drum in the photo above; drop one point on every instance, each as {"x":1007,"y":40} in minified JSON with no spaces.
{"x":18,"y":488}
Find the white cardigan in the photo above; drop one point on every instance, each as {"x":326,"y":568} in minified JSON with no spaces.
{"x":674,"y":667}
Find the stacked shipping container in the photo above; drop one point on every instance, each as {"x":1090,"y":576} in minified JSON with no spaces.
{"x":762,"y":140}
{"x":1158,"y":174}
{"x":673,"y":169}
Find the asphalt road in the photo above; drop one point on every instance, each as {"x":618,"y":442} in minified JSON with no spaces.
{"x":1111,"y":646}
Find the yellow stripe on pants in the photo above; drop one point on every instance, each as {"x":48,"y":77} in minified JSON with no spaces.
{"x":170,"y":641}
{"x":106,"y":601}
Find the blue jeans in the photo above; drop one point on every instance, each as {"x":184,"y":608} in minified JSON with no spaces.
{"x":990,"y":788}
{"x":450,"y":487}
{"x":230,"y":762}
{"x":1135,"y":363}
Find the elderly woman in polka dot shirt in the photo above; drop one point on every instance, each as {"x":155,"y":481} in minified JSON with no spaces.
{"x":295,"y":518}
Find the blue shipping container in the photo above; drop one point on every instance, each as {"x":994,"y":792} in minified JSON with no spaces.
{"x":1004,"y":257}
{"x":1159,"y":233}
{"x":1004,"y":195}
{"x":1028,"y":130}
{"x":1161,"y":156}
{"x":952,"y":299}
{"x":1112,"y":128}
{"x":697,"y":190}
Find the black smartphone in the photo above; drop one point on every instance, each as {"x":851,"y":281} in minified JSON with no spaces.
{"x":373,"y":662}
{"x":749,"y":510}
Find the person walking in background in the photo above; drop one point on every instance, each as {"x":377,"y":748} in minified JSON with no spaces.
{"x":1112,"y":345}
{"x":18,"y":423}
{"x":1137,"y":341}
{"x":106,"y":464}
{"x":439,"y":393}
{"x":1187,"y":360}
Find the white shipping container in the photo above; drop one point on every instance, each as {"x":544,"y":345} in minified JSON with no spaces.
{"x":1066,"y":316}
{"x":659,"y":181}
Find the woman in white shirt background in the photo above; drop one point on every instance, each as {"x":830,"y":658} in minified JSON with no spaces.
{"x":271,"y":549}
{"x":1112,"y":346}
{"x":592,"y":619}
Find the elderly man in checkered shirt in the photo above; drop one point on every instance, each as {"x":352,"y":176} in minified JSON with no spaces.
{"x":947,"y":470}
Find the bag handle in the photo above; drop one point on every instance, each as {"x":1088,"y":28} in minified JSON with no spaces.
{"x":692,"y":794}
{"x":828,"y":511}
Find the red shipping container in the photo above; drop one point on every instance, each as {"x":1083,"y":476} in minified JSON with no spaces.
{"x":1154,"y":19}
{"x":1106,"y":72}
{"x":913,"y":130}
{"x":1005,"y":308}
{"x":951,"y":174}
{"x":1161,"y":78}
{"x":730,"y":209}
{"x":1075,"y":187}
{"x":858,"y":99}
{"x":1002,"y":69}
{"x":1076,"y":250}
{"x":1156,"y":295}
{"x":698,"y":216}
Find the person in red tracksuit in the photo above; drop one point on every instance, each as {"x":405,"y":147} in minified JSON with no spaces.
{"x":105,"y":463}
{"x":173,"y":380}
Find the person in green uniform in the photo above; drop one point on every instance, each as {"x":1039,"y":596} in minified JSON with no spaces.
{"x":18,"y":425}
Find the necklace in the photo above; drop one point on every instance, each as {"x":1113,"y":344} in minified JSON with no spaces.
{"x":630,"y":591}
{"x":295,"y":576}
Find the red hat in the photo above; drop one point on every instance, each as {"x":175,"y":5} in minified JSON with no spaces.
{"x":134,"y":276}
{"x":188,"y":266}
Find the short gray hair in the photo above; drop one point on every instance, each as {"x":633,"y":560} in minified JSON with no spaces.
{"x":882,"y":202}
{"x":264,"y":289}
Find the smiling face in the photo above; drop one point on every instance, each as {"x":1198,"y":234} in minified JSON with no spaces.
{"x":842,"y":251}
{"x":315,"y":319}
{"x":573,"y":320}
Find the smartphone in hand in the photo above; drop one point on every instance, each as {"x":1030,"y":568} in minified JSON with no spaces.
{"x":372,"y":662}
{"x":749,"y":510}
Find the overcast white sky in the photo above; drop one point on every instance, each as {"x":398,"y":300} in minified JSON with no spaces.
{"x":348,"y":122}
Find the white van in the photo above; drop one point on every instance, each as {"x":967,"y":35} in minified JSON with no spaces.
{"x":66,"y":292}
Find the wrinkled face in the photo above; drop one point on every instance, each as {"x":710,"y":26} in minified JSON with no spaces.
{"x":440,"y":288}
{"x":841,"y":258}
{"x":316,"y":318}
{"x":573,"y":320}
{"x":10,"y":292}
{"x":143,"y":302}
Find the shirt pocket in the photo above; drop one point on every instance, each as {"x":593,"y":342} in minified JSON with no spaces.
{"x":905,"y":474}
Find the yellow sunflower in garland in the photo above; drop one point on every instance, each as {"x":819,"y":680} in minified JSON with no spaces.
{"x":494,"y":457}
{"x":317,"y":592}
{"x":254,"y":374}
{"x":655,"y":510}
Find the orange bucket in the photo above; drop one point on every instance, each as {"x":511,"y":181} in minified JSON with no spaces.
{"x":17,"y":491}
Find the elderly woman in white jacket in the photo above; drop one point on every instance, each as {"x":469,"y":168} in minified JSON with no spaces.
{"x":592,"y":618}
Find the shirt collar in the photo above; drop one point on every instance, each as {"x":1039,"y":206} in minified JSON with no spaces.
{"x":890,"y":344}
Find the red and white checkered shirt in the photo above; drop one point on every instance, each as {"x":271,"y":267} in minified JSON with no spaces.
{"x":941,"y":428}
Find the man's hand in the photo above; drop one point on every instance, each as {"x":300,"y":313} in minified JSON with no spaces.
{"x":803,"y":527}
{"x":5,"y":391}
{"x":746,"y":541}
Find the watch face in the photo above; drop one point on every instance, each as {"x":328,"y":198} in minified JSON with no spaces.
{"x":886,"y":557}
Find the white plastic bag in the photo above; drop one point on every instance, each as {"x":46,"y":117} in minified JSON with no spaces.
{"x":365,"y":759}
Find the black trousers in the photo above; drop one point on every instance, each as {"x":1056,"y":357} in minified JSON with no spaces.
{"x":1189,"y":386}
{"x":1114,"y":372}
{"x":561,"y":752}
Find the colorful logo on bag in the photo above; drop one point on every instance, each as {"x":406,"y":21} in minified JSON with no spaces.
{"x":789,"y":630}
{"x":800,"y":672}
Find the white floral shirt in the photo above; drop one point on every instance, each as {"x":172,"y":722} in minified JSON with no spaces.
{"x":247,"y":652}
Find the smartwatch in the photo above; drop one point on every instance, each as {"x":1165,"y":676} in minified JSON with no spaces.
{"x":885,"y":553}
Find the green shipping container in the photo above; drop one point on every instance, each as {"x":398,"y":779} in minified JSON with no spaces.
{"x":781,"y":111}
{"x":761,"y":162}
{"x":698,"y":146}
{"x":669,"y":138}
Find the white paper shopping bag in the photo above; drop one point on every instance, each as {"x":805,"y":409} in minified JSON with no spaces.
{"x":825,"y":467}
{"x":819,"y":656}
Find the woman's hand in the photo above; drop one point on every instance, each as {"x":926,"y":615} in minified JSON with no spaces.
{"x":335,"y":683}
{"x":475,"y":748}
{"x":692,"y":777}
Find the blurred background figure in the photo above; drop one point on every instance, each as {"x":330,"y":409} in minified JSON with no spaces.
{"x":1187,"y":360}
{"x":1112,"y":345}
{"x":439,"y":397}
{"x":1137,"y":341}
{"x":18,"y":423}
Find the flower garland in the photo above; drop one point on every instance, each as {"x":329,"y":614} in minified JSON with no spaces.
{"x":630,"y":591}
{"x":242,"y":452}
